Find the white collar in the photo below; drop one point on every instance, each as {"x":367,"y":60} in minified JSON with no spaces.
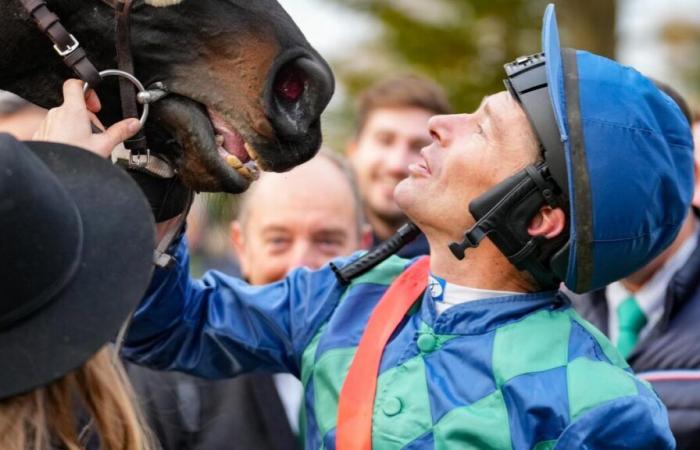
{"x":447,"y":295}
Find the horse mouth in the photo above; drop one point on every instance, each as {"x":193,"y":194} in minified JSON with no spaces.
{"x":233,"y":148}
{"x":209,"y":153}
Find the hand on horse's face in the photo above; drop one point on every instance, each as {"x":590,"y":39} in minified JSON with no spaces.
{"x":71,"y":122}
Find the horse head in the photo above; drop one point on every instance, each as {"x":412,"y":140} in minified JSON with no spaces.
{"x":243,"y":82}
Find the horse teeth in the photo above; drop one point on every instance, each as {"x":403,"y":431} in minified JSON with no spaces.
{"x":234,"y":162}
{"x":248,"y":173}
{"x":219,"y":140}
{"x":251,"y":151}
{"x":252,"y":167}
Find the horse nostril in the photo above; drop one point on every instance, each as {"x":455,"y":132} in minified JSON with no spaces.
{"x":301,"y":89}
{"x":290,"y":83}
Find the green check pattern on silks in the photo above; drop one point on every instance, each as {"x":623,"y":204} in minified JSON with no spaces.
{"x":519,"y":378}
{"x":515,"y":372}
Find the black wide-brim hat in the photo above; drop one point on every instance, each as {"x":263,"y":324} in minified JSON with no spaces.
{"x":76,"y":254}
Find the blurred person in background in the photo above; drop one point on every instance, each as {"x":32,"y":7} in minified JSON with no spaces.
{"x":652,"y":316}
{"x":392,"y":128}
{"x":305,"y":217}
{"x":18,"y":117}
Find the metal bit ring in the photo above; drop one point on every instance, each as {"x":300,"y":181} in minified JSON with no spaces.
{"x":133,"y":80}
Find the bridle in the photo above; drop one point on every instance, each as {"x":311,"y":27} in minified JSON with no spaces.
{"x":136,"y":155}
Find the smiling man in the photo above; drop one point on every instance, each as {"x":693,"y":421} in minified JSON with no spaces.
{"x":392,"y":128}
{"x":302,"y":218}
{"x":545,"y":179}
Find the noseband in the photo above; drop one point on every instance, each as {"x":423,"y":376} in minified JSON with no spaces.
{"x":137,"y":156}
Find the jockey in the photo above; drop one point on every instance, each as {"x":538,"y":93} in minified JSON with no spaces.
{"x":580,"y":173}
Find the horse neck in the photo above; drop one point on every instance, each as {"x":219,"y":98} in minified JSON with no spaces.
{"x":29,"y":67}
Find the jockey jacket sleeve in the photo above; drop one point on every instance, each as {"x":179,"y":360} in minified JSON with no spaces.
{"x":635,"y":422}
{"x":220,"y":326}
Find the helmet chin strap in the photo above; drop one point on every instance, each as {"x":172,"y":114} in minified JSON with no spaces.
{"x":504,"y":212}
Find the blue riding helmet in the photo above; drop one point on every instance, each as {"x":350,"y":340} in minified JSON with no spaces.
{"x":627,"y":166}
{"x":617,"y":155}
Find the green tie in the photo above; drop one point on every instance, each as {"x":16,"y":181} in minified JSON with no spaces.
{"x":631,"y":320}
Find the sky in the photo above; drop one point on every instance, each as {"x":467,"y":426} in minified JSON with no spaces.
{"x":639,"y":22}
{"x":330,"y":28}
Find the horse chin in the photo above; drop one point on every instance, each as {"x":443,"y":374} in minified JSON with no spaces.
{"x":181,"y":130}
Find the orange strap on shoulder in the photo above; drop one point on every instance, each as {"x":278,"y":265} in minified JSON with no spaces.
{"x":356,"y":403}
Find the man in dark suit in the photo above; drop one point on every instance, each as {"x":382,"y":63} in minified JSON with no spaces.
{"x":300,"y":218}
{"x":652,"y":317}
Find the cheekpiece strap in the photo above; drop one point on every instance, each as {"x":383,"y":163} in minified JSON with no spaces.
{"x":65,"y":44}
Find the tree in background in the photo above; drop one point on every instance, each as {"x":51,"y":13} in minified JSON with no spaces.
{"x":684,"y":38}
{"x":461,"y":44}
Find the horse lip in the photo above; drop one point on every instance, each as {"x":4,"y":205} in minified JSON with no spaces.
{"x":230,"y":141}
{"x":187,"y":121}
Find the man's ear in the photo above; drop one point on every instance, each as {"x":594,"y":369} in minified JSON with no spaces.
{"x":351,"y":148}
{"x":548,"y":222}
{"x":237,"y":239}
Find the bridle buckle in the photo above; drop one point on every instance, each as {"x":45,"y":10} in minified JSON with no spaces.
{"x":73,"y":46}
{"x":139,"y":160}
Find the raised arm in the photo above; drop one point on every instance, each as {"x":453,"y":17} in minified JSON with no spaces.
{"x":220,"y":326}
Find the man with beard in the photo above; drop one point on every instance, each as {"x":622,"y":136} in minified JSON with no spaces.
{"x":392,"y":128}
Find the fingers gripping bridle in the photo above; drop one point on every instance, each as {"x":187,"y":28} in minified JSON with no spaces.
{"x":136,"y":154}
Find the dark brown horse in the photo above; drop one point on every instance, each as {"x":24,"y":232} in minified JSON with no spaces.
{"x":244,"y":81}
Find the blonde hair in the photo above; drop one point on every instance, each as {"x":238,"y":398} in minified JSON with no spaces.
{"x":47,"y":417}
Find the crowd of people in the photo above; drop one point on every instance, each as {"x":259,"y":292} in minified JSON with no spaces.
{"x":557,"y":281}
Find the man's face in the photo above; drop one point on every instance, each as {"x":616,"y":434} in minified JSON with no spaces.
{"x":469,"y":154}
{"x":389,"y":142}
{"x":305,"y":217}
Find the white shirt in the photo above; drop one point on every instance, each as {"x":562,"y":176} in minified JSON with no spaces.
{"x":652,"y":296}
{"x":447,"y":295}
{"x":291,"y":393}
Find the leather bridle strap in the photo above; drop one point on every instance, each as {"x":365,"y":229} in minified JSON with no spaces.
{"x":125,"y":62}
{"x":74,"y":56}
{"x":65,"y":44}
{"x":356,"y":402}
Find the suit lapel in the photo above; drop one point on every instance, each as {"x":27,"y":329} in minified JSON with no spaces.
{"x":272,"y":415}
